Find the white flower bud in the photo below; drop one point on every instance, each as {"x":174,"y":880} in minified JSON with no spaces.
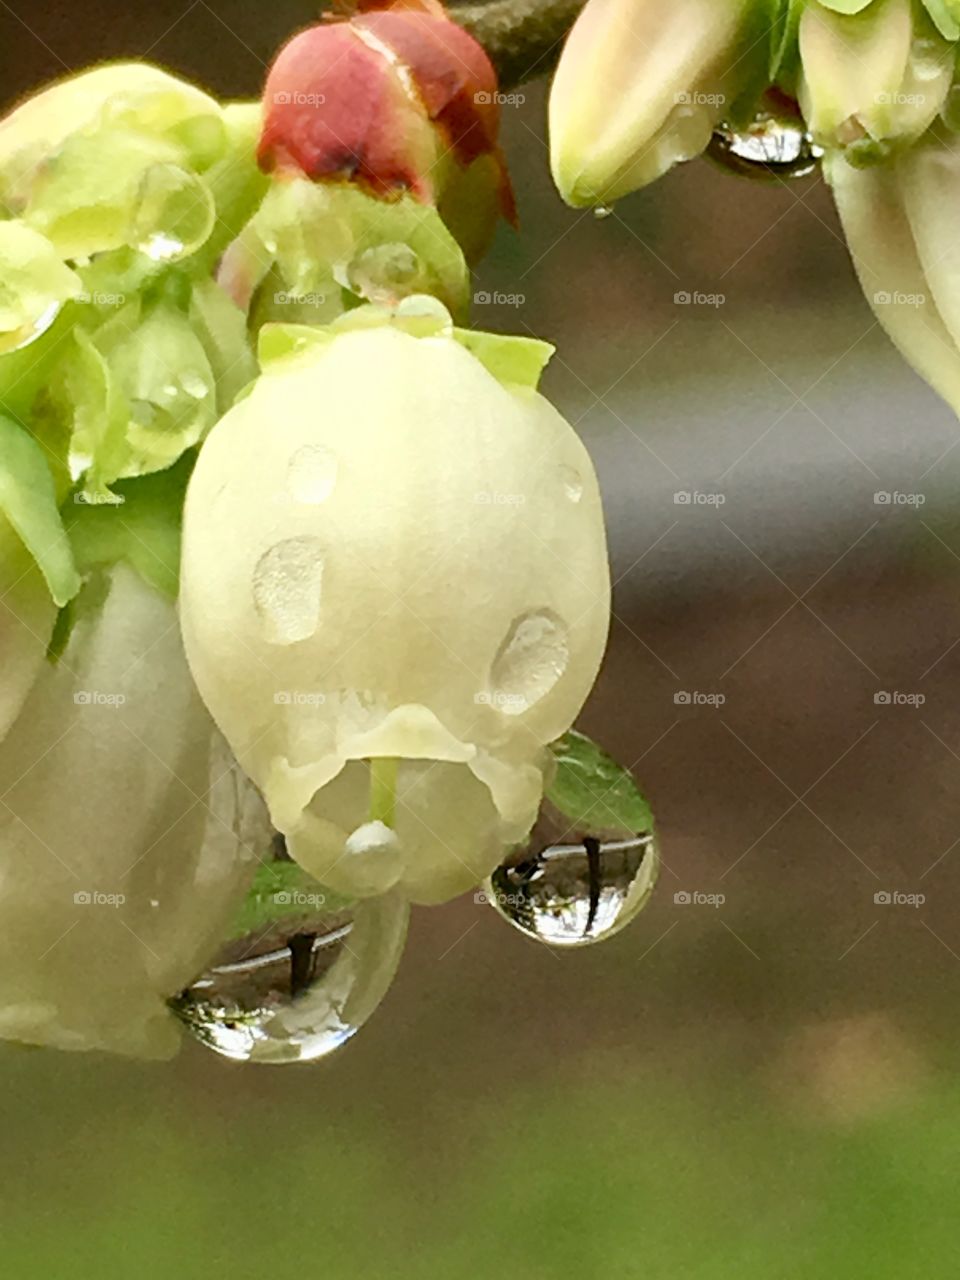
{"x":390,"y":555}
{"x":121,"y":862}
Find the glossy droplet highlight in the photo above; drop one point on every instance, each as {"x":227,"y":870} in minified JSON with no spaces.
{"x":311,"y":474}
{"x":768,"y":148}
{"x":287,"y":585}
{"x":300,"y":991}
{"x":530,"y":661}
{"x":572,"y":895}
{"x":602,"y":211}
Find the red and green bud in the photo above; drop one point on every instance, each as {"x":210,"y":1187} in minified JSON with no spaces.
{"x":397,"y":99}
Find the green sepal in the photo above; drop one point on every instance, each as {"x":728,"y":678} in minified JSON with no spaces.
{"x":33,"y":282}
{"x":514,"y":361}
{"x":28,"y":499}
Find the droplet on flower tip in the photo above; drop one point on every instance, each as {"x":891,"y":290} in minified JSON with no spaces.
{"x":287,"y":585}
{"x":574,"y":894}
{"x":300,"y":991}
{"x":769,"y":148}
{"x":602,"y":211}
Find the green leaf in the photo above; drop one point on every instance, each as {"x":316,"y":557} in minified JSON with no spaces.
{"x":592,"y":790}
{"x":28,"y":499}
{"x":141,"y":526}
{"x":512,"y":360}
{"x":221,"y":327}
{"x":281,"y":891}
{"x":946,"y":17}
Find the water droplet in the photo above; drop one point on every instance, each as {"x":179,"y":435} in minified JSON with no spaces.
{"x":602,"y":211}
{"x":301,"y":990}
{"x":311,"y":474}
{"x":15,"y":339}
{"x":572,"y":482}
{"x":768,"y":148}
{"x":574,"y":894}
{"x":286,"y":589}
{"x":174,"y":215}
{"x":530,"y":661}
{"x":385,"y":273}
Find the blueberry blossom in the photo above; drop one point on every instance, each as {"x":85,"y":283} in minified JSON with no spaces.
{"x":395,"y":593}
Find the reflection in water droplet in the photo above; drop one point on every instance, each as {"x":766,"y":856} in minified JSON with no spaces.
{"x":286,"y":589}
{"x":302,"y":989}
{"x":531,"y":660}
{"x":602,"y":211}
{"x":572,"y":482}
{"x":768,"y":148}
{"x":570,"y":895}
{"x":311,"y":474}
{"x":175,"y":213}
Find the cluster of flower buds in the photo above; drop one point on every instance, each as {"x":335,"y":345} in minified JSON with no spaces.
{"x":874,"y":89}
{"x":255,"y":305}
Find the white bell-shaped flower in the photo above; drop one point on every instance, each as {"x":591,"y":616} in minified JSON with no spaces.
{"x":395,"y":593}
{"x":121,"y":833}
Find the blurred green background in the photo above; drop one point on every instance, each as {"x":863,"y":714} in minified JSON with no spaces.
{"x":767,"y":1088}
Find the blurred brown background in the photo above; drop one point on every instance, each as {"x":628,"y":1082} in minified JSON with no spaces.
{"x":765,"y":1088}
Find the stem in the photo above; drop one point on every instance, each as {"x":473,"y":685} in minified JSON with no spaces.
{"x":383,"y":789}
{"x":523,"y":38}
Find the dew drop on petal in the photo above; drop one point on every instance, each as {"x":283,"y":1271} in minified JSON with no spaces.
{"x":311,"y":474}
{"x":287,"y":585}
{"x":572,"y":482}
{"x":302,"y":989}
{"x":530,"y":661}
{"x":574,"y":894}
{"x":175,"y":213}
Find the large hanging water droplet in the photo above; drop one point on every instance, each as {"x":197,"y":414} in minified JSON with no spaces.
{"x":303,"y":988}
{"x":770,"y":147}
{"x":578,"y":891}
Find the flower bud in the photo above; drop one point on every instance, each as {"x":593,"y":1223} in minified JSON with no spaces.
{"x":642,"y":84}
{"x":898,"y":218}
{"x":121,"y":864}
{"x":397,"y":100}
{"x":395,"y":594}
{"x":873,"y":78}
